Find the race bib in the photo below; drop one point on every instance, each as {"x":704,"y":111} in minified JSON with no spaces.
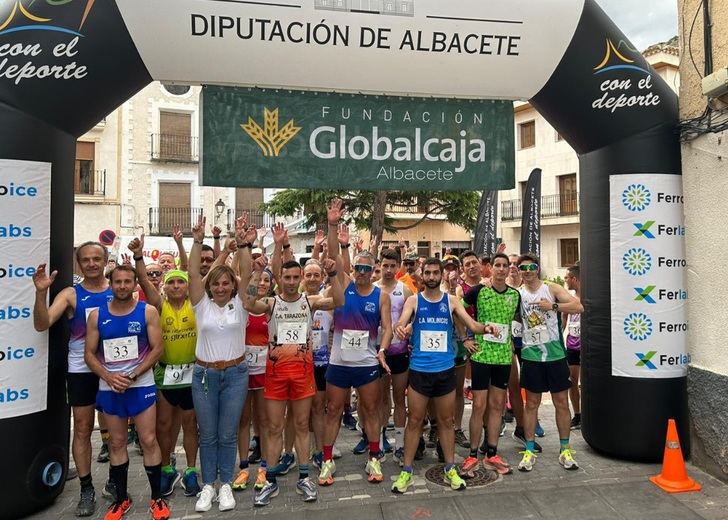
{"x":536,"y":335}
{"x":317,"y":336}
{"x":354,"y":339}
{"x":575,"y":330}
{"x":178,"y":374}
{"x":292,"y":333}
{"x":517,"y":329}
{"x":433,"y":341}
{"x":256,"y":356}
{"x":89,"y":310}
{"x":121,"y":349}
{"x":500,"y":335}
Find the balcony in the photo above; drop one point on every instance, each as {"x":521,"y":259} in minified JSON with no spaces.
{"x":162,"y":220}
{"x":255,"y":216}
{"x":175,"y":148}
{"x":91,"y":183}
{"x":412,"y":209}
{"x":552,"y":206}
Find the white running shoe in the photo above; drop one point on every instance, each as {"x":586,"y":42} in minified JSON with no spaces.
{"x":205,"y":499}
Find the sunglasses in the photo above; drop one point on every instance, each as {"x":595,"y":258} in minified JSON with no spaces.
{"x":207,"y":260}
{"x":363,"y":268}
{"x":154,"y":274}
{"x":528,"y":267}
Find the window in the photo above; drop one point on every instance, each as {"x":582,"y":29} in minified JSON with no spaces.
{"x":569,"y":251}
{"x":567,"y":194}
{"x":423,"y":248}
{"x":527,"y":135}
{"x":175,"y":207}
{"x":84,"y":172}
{"x":175,"y":131}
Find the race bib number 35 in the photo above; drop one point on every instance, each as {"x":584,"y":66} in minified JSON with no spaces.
{"x":121,"y":349}
{"x":433,"y":341}
{"x":178,"y":374}
{"x":292,"y":333}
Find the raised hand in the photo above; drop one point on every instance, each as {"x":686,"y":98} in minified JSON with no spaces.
{"x":41,"y":280}
{"x":136,"y":246}
{"x":216,"y":231}
{"x":280,"y":235}
{"x":231,"y":245}
{"x":401,"y":242}
{"x":319,"y":238}
{"x":177,"y":234}
{"x":198,"y":230}
{"x":250,"y":235}
{"x":262,"y":232}
{"x":343,"y":234}
{"x":241,"y":221}
{"x":125,"y":259}
{"x":260,"y":263}
{"x":335,"y":211}
{"x":359,"y":244}
{"x":329,"y":265}
{"x":501,"y":248}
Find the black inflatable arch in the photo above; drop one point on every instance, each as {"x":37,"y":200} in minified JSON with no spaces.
{"x":622,"y":417}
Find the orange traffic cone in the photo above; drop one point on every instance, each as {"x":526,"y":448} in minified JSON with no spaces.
{"x":674,"y":477}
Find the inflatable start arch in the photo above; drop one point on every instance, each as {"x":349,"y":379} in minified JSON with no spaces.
{"x":66,"y":65}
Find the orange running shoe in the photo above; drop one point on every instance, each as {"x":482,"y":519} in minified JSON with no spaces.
{"x":498,"y":464}
{"x":467,"y":470}
{"x":116,"y":511}
{"x":159,"y":509}
{"x":260,"y":480}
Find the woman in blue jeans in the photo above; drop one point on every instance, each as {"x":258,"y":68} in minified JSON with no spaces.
{"x":220,"y":377}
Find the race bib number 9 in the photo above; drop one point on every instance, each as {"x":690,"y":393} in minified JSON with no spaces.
{"x":500,"y":335}
{"x":433,"y":341}
{"x":178,"y":375}
{"x":535,"y":336}
{"x":292,"y":333}
{"x":121,"y":349}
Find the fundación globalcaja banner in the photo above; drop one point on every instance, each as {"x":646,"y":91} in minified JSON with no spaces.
{"x":24,"y":243}
{"x":649,"y":317}
{"x":296,"y":139}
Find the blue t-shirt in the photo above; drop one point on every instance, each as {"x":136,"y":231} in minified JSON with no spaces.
{"x":433,"y":349}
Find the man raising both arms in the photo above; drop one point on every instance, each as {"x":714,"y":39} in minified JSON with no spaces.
{"x":432,"y":368}
{"x":76,"y":303}
{"x":544,"y":357}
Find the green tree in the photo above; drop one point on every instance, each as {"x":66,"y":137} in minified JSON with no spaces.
{"x":365,"y":207}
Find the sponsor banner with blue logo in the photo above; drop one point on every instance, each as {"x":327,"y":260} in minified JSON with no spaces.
{"x":24,"y":243}
{"x":649,"y":315}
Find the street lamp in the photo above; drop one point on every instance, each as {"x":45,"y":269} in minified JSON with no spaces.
{"x":219,"y":209}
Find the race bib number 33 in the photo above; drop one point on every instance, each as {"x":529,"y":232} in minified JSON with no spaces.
{"x":121,"y":349}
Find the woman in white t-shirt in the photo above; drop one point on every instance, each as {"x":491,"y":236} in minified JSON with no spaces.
{"x":220,"y":376}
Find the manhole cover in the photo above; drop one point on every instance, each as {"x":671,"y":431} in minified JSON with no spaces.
{"x":483,"y":477}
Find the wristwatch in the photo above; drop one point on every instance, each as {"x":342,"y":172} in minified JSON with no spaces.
{"x":132,"y":375}
{"x":555,"y":306}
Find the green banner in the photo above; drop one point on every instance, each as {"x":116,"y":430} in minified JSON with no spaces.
{"x":293,"y":139}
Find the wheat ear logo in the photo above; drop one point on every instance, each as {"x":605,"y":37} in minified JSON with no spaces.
{"x":270,"y":138}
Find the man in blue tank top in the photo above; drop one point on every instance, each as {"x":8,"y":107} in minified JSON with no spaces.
{"x":76,"y":303}
{"x":123,"y":342}
{"x":432,"y":368}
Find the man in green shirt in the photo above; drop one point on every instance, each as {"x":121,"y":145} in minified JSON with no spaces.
{"x":490,"y":362}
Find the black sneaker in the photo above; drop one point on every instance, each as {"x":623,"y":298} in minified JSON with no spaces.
{"x":103,"y":454}
{"x":432,"y":436}
{"x":508,"y":416}
{"x":87,"y":504}
{"x":461,"y":440}
{"x":519,"y":437}
{"x":420,"y":453}
{"x":109,"y":490}
{"x":576,"y":422}
{"x":255,"y":455}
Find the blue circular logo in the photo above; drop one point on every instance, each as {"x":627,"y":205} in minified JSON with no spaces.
{"x":637,"y":326}
{"x":637,"y":261}
{"x":636,"y":197}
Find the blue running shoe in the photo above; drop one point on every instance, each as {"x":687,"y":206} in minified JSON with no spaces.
{"x":386,"y":446}
{"x":169,"y":480}
{"x":286,"y":463}
{"x":539,"y":430}
{"x":361,"y":447}
{"x":349,"y":421}
{"x":190,"y":484}
{"x":317,"y":459}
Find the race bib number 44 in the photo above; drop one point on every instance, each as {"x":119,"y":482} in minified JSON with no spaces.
{"x":292,"y":333}
{"x":354,"y":339}
{"x":178,"y":374}
{"x":433,"y":341}
{"x":121,"y":349}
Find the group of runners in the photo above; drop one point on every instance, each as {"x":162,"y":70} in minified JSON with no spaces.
{"x":232,"y":339}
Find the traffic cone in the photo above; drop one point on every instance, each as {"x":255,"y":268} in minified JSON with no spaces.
{"x":674,"y":477}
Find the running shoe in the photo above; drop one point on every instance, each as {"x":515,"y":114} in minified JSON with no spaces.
{"x":508,"y":416}
{"x":159,"y":509}
{"x":381,"y":456}
{"x":285,"y":464}
{"x":566,"y":459}
{"x":456,"y":482}
{"x":420,"y":452}
{"x":103,"y":454}
{"x":109,"y":490}
{"x":169,"y":480}
{"x":255,"y":454}
{"x":539,"y":430}
{"x":349,"y":421}
{"x":386,"y":447}
{"x":335,"y":452}
{"x":262,"y":497}
{"x":402,"y":483}
{"x":260,"y":480}
{"x":374,"y":471}
{"x":189,"y":483}
{"x":460,"y":439}
{"x":432,"y":436}
{"x":468,"y":467}
{"x":305,"y":487}
{"x":225,"y":498}
{"x":317,"y":459}
{"x":575,"y":423}
{"x":502,"y":428}
{"x":116,"y":511}
{"x":519,"y":437}
{"x":241,"y":481}
{"x":361,"y":447}
{"x":326,"y":476}
{"x":87,"y":503}
{"x":497,"y":464}
{"x":399,"y":456}
{"x":205,"y":498}
{"x":468,"y":393}
{"x":527,"y":462}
